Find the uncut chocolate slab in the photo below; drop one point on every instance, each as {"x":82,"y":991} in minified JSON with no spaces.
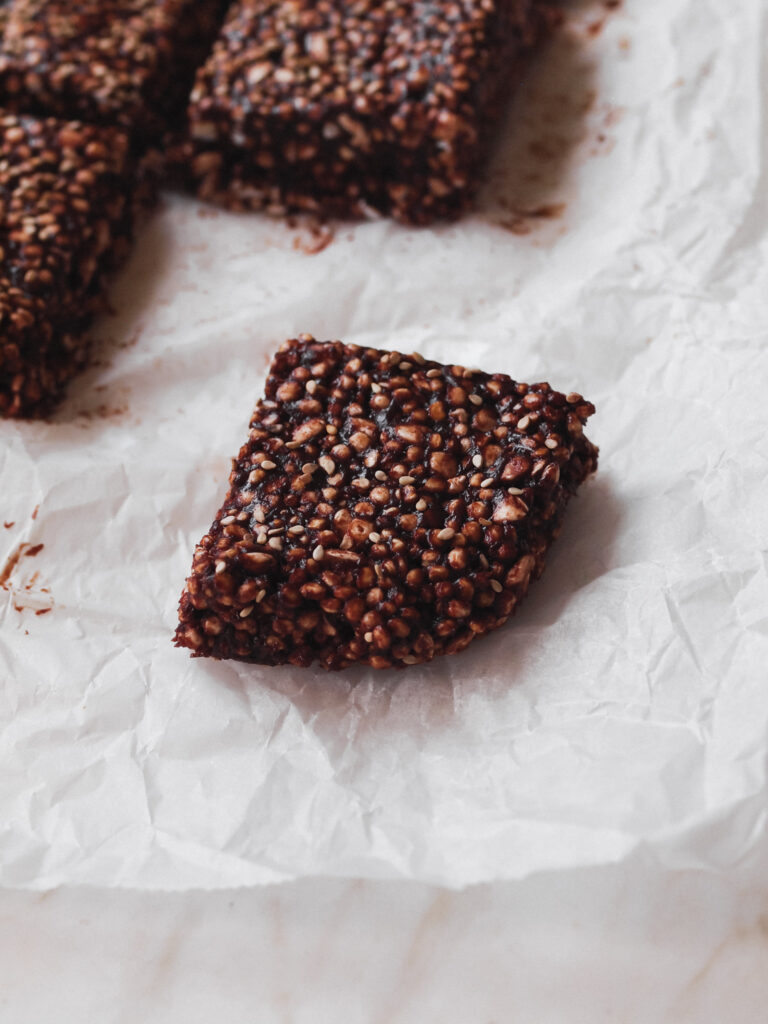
{"x":123,"y":62}
{"x":384,"y":510}
{"x":67,"y":194}
{"x":349,"y":106}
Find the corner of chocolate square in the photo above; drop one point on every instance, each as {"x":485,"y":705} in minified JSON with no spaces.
{"x":385,"y":509}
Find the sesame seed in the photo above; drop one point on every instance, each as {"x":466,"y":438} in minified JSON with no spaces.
{"x":406,"y":480}
{"x":446,"y":534}
{"x":227,"y":520}
{"x":309,"y":467}
{"x":434,"y":373}
{"x":488,"y":482}
{"x":260,"y":596}
{"x":276,"y":544}
{"x":268,"y":465}
{"x":331,"y":429}
{"x":261,"y":537}
{"x":405,"y":365}
{"x":522,"y":423}
{"x":319,"y":553}
{"x":495,"y":585}
{"x":477,"y":461}
{"x":374,"y":538}
{"x":368,"y":637}
{"x":483,"y":561}
{"x":421,"y":505}
{"x":296,"y":530}
{"x":311,"y":387}
{"x":515,"y":490}
{"x":293,"y":444}
{"x":376,"y":388}
{"x":475,"y":399}
{"x":380,"y":474}
{"x":551,"y":443}
{"x":573,"y":398}
{"x":327,"y":464}
{"x":220,"y":567}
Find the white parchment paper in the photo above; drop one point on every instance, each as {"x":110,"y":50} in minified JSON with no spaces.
{"x":619,"y":249}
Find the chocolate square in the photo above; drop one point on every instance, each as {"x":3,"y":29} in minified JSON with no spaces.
{"x":123,"y":62}
{"x":385,"y":509}
{"x":67,"y":195}
{"x":352,"y":107}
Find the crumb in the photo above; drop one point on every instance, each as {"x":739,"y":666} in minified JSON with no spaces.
{"x":321,"y":238}
{"x":22,"y":550}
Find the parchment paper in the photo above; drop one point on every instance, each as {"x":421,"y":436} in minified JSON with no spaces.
{"x":619,"y":249}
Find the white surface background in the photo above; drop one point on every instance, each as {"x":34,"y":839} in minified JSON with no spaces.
{"x":621,"y":719}
{"x":619,"y":945}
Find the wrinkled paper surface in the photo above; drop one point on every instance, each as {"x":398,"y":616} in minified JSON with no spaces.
{"x":619,"y":249}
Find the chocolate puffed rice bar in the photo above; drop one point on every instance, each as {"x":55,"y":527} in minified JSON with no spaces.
{"x":354,"y":107}
{"x":67,"y":198}
{"x":385,"y":509}
{"x":125,"y":62}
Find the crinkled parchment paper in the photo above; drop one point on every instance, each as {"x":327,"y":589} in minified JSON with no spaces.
{"x":620,"y":250}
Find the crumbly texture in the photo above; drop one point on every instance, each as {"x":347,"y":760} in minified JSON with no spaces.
{"x":125,"y":62}
{"x":384,"y":510}
{"x":67,"y":197}
{"x":355,"y":107}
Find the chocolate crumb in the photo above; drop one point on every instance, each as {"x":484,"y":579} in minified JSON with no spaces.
{"x":321,"y":237}
{"x":22,"y":550}
{"x":128,"y":63}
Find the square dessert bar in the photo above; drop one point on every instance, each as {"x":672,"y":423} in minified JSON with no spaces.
{"x":384,"y":510}
{"x":67,"y":195}
{"x":353,"y":107}
{"x":123,"y":62}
